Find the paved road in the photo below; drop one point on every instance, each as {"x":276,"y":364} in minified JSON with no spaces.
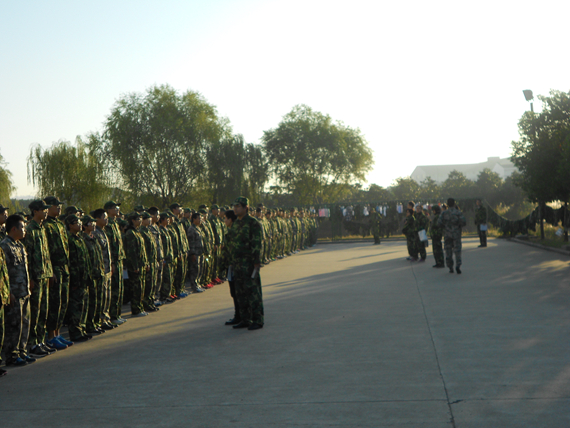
{"x":355,"y":337}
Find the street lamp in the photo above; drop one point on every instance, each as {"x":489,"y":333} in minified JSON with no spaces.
{"x":528,"y":96}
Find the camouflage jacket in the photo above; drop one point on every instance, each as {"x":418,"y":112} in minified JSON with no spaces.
{"x":154,"y":230}
{"x":4,"y":281}
{"x":409,"y":228}
{"x":216,"y":228}
{"x":136,"y":259}
{"x":175,"y":240}
{"x":103,"y":242}
{"x":181,"y":232}
{"x":79,"y":262}
{"x":246,"y":242}
{"x":481,"y":215}
{"x":113,"y":232}
{"x":150,"y":245}
{"x":452,"y":221}
{"x":421,"y":222}
{"x":3,"y":233}
{"x":39,"y":264}
{"x":17,"y":267}
{"x":57,"y":241}
{"x":195,"y":241}
{"x":97,"y":270}
{"x":166,"y":242}
{"x":436,"y":229}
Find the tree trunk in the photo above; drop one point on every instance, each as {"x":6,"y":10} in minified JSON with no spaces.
{"x":541,"y":205}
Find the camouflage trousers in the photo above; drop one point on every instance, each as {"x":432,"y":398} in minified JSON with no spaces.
{"x":193,"y":270}
{"x":437,"y":249}
{"x":117,"y":291}
{"x":412,"y":250}
{"x":104,"y":315}
{"x":38,"y":312}
{"x":136,"y":281}
{"x":150,"y":279}
{"x":248,"y":292}
{"x":420,"y":247}
{"x":58,"y":297}
{"x":166,"y":284}
{"x":94,"y":307}
{"x":180,"y":274}
{"x":78,"y":308}
{"x":17,"y":328}
{"x":452,"y":245}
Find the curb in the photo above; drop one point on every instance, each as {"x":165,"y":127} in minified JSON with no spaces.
{"x":540,"y":246}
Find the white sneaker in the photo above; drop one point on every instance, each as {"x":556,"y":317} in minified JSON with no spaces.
{"x":141,"y":314}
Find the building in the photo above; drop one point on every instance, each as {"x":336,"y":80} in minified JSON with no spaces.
{"x":439,"y":173}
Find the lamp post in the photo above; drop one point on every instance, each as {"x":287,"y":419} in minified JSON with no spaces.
{"x":529,"y":97}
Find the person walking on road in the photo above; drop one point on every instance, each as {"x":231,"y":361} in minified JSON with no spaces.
{"x":452,"y":221}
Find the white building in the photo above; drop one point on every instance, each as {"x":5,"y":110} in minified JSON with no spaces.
{"x":439,"y":173}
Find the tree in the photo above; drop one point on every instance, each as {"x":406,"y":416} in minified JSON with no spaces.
{"x":405,"y":188}
{"x":377,"y":193}
{"x":542,"y":153}
{"x":315,"y":158}
{"x":429,"y":190}
{"x":488,"y":186}
{"x":157,"y":142}
{"x":457,"y":186}
{"x":6,"y":185}
{"x":69,"y":172}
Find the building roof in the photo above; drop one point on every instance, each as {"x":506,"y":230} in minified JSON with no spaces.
{"x":504,"y":167}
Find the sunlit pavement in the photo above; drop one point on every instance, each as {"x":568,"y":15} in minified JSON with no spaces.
{"x":355,"y":336}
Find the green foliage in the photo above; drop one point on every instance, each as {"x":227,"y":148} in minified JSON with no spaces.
{"x":457,"y":186}
{"x":542,"y":152}
{"x":405,"y":188}
{"x":313,"y":157}
{"x":429,"y":189}
{"x":70,"y":172}
{"x":6,"y":185}
{"x":377,"y":193}
{"x":157,"y":142}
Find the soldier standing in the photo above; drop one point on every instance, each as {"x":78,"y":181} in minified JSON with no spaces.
{"x":41,"y":271}
{"x":117,"y":257}
{"x":246,"y":264}
{"x":421,"y":223}
{"x":101,"y":222}
{"x":166,"y":240}
{"x":196,"y":246}
{"x":481,"y":222}
{"x":436,"y":233}
{"x":409,"y":231}
{"x":152,"y":257}
{"x":452,"y":221}
{"x":59,"y":284}
{"x":136,"y":263}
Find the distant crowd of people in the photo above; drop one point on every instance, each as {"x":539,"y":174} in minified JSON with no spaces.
{"x":77,"y":270}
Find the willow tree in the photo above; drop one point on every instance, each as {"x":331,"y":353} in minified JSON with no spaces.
{"x":6,"y":184}
{"x":156,"y":142}
{"x":315,"y":158}
{"x":70,"y":172}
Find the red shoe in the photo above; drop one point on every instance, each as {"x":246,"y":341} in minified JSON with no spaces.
{"x":210,"y":285}
{"x":217,"y":281}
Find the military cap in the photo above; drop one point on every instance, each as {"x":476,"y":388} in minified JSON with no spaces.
{"x":110,"y":204}
{"x":52,"y":200}
{"x":122,"y":223}
{"x":134,"y":215}
{"x":72,"y":219}
{"x":3,"y":208}
{"x":242,"y":200}
{"x":187,"y":210}
{"x":87,"y":219}
{"x":22,"y":213}
{"x":203,"y":207}
{"x":174,"y":205}
{"x":72,"y":209}
{"x":167,"y":211}
{"x":258,"y":210}
{"x":223,"y":209}
{"x":203,"y":211}
{"x":140,"y":208}
{"x":260,"y":205}
{"x":145,"y":214}
{"x":38,"y":205}
{"x":215,"y":207}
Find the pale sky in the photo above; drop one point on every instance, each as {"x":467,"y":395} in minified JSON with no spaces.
{"x":427,"y":83}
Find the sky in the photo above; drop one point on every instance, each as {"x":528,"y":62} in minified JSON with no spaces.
{"x":427,"y":83}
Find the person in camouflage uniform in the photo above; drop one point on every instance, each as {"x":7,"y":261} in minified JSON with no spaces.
{"x":409,"y":230}
{"x":136,"y":263}
{"x":246,"y":263}
{"x":3,"y":216}
{"x":95,"y":277}
{"x":182,"y":263}
{"x":175,"y":239}
{"x":152,"y":257}
{"x":421,"y":223}
{"x":480,"y":220}
{"x":59,"y":284}
{"x":452,"y":221}
{"x":79,"y":269}
{"x":40,"y":271}
{"x":114,"y":236}
{"x":168,"y":257}
{"x":154,"y":229}
{"x":101,"y":222}
{"x":229,"y":219}
{"x":436,"y":234}
{"x":217,"y":230}
{"x":196,"y":247}
{"x":375,"y":226}
{"x":17,"y":322}
{"x":4,"y":300}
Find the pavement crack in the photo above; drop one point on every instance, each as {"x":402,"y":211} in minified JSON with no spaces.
{"x":451,"y":416}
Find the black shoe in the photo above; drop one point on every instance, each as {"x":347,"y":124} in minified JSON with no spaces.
{"x":94,"y":332}
{"x":3,"y":372}
{"x":241,"y":324}
{"x":451,"y":270}
{"x":18,"y":362}
{"x":81,"y":339}
{"x":233,"y":321}
{"x":38,"y":352}
{"x":29,"y":359}
{"x":255,"y":326}
{"x":457,"y":269}
{"x":107,"y":327}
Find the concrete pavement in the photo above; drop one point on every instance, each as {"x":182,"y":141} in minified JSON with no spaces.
{"x":355,"y":336}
